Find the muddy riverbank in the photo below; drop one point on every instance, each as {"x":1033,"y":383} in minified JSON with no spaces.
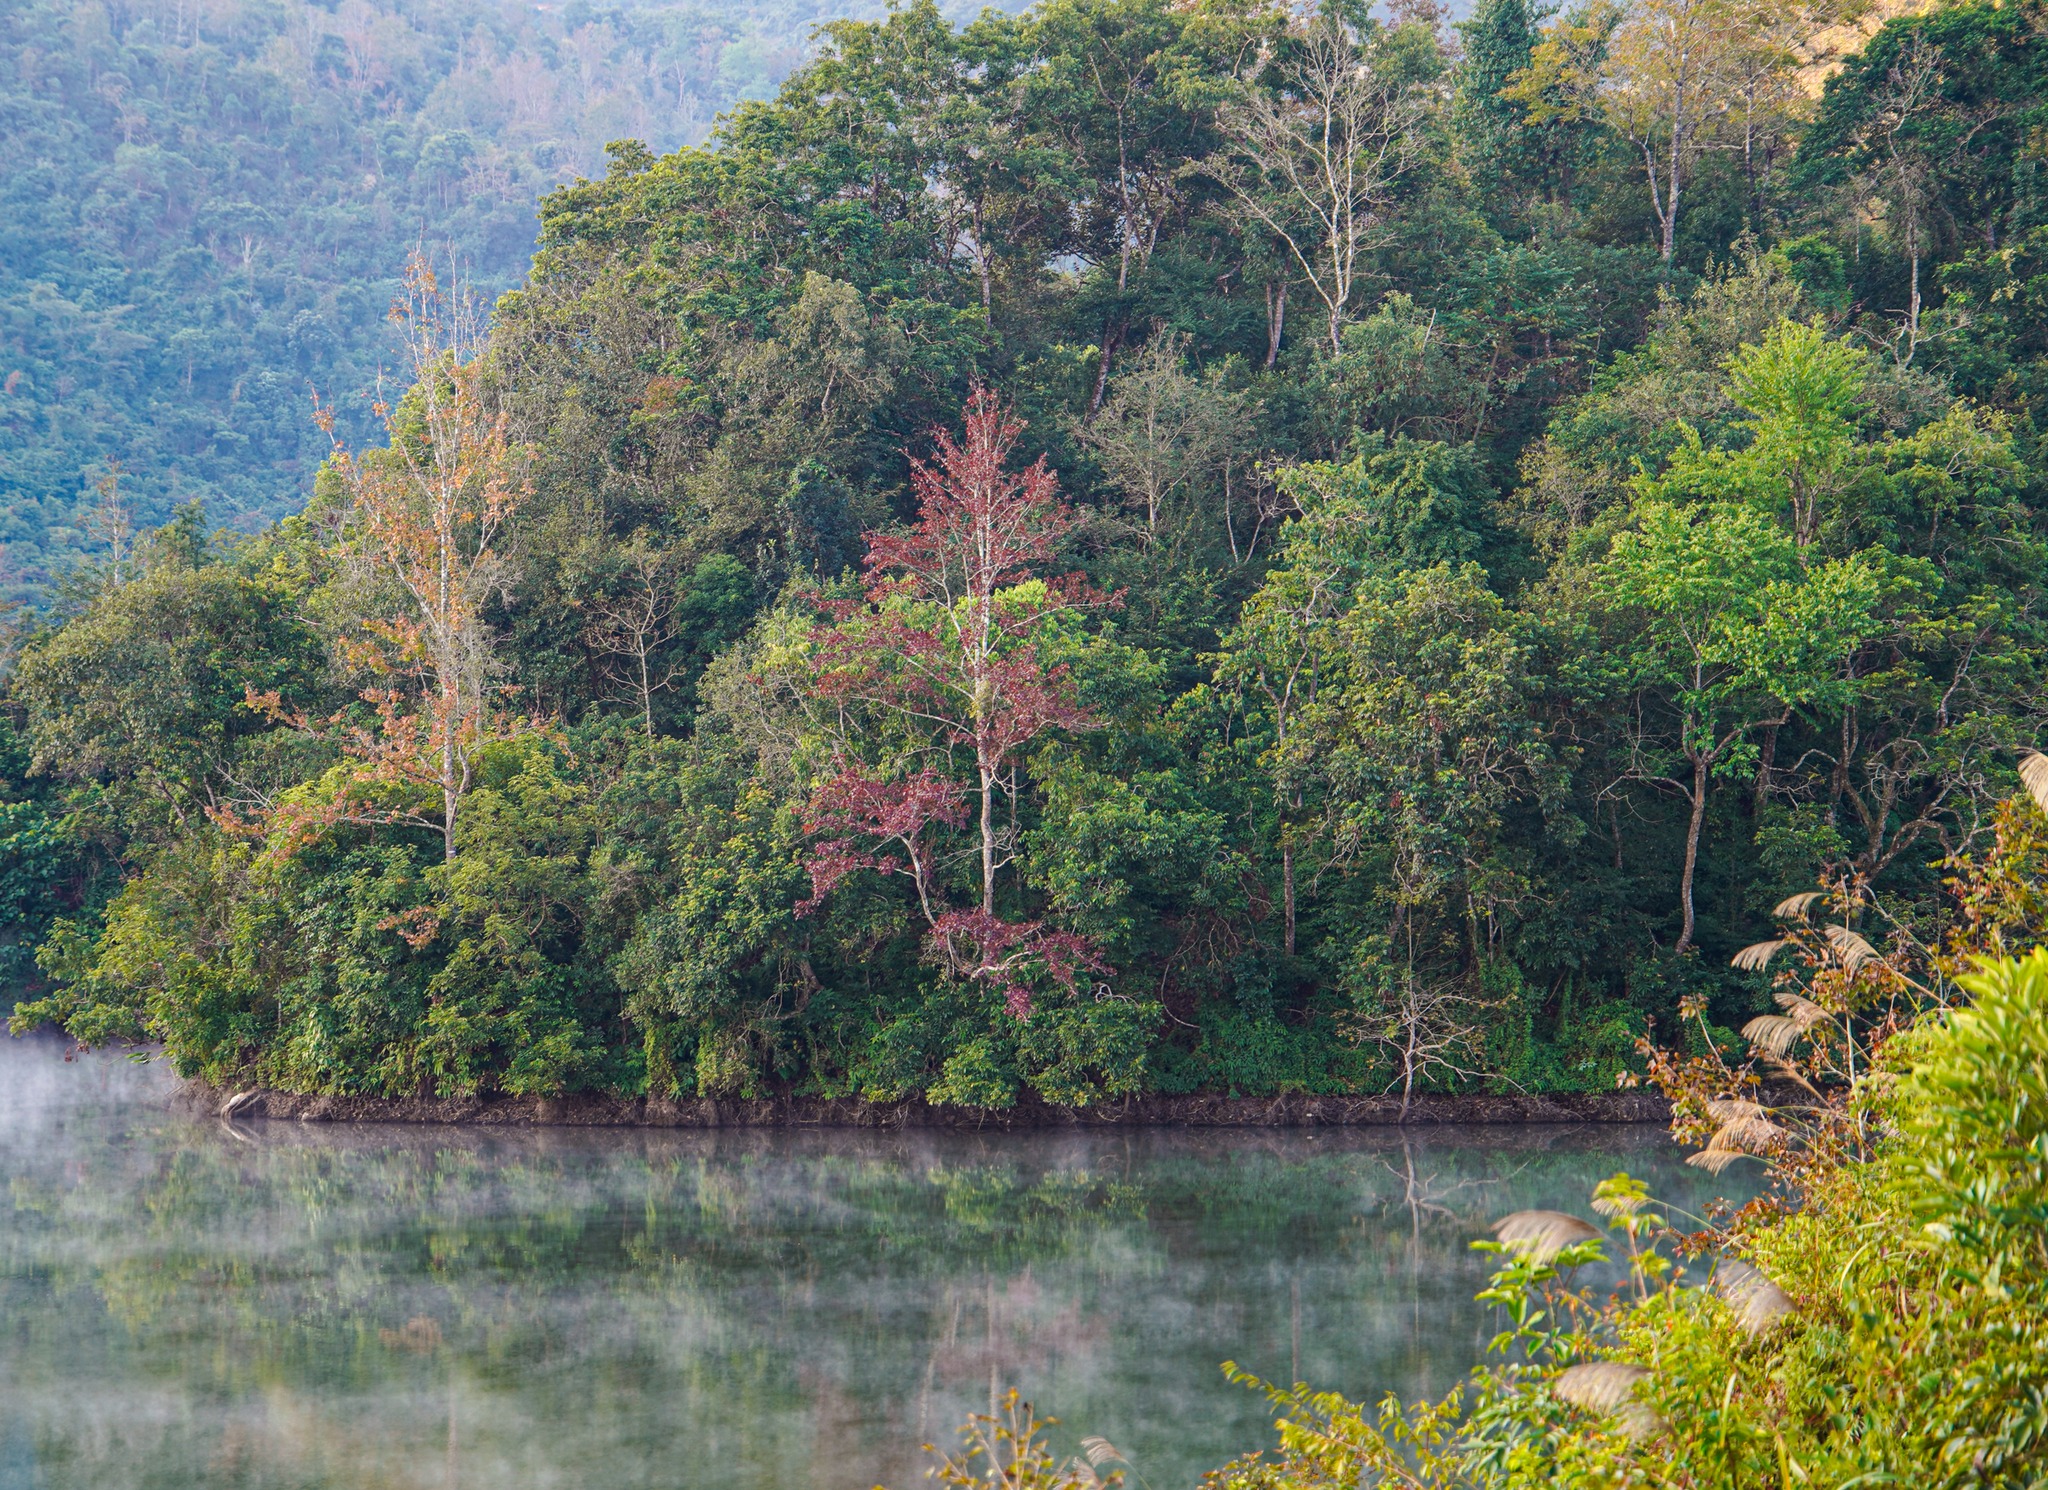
{"x":1292,"y":1111}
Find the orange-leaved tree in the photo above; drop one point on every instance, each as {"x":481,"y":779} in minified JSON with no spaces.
{"x":420,"y":541}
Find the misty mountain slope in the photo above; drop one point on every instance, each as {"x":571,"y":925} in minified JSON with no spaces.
{"x":205,"y":204}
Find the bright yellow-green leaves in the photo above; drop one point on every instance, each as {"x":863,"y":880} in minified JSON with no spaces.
{"x":1804,"y":395}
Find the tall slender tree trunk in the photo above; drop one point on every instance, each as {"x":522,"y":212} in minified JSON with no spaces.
{"x":451,"y":688}
{"x":1111,"y":335}
{"x":1287,"y":889}
{"x":1671,"y":184}
{"x":1913,"y":293}
{"x":981,"y":248}
{"x":988,"y":840}
{"x":451,"y":797}
{"x":1667,"y":214}
{"x":1766,"y":758}
{"x":1756,"y":205}
{"x":1692,"y":849}
{"x":1276,"y":321}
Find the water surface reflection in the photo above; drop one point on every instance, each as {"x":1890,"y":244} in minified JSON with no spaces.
{"x":186,"y":1304}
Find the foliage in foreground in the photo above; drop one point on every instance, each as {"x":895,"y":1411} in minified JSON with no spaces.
{"x":1892,"y":1329}
{"x":1879,"y":1316}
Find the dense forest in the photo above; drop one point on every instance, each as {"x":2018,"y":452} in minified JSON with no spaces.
{"x":205,"y":206}
{"x":1133,"y":547}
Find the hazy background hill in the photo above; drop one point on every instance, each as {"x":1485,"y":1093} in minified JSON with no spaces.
{"x":204,"y":205}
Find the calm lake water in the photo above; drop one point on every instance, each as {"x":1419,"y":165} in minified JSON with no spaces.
{"x":185,"y":1304}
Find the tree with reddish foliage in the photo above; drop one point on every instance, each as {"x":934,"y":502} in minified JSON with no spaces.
{"x":943,"y":651}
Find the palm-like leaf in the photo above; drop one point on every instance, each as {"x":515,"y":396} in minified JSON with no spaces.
{"x":1746,"y":1129}
{"x":1803,"y":1011}
{"x":1638,"y":1421}
{"x":1714,"y":1160}
{"x":1541,"y":1235}
{"x":1100,"y":1451}
{"x":1599,"y":1386}
{"x":1620,"y":1196}
{"x":1738,"y":1114}
{"x":1775,"y":1034}
{"x":1608,"y":1387}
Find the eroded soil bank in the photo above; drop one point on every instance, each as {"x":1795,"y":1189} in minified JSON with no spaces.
{"x":852,"y":1112}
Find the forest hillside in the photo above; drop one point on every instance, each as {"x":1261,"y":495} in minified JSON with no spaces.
{"x":1130,"y":547}
{"x":205,"y":206}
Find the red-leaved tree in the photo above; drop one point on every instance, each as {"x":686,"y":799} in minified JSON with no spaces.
{"x":941,"y":658}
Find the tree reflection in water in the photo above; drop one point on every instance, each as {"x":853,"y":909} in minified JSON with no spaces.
{"x":275,"y":1304}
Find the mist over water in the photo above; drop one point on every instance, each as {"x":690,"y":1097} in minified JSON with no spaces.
{"x":184,"y":1303}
